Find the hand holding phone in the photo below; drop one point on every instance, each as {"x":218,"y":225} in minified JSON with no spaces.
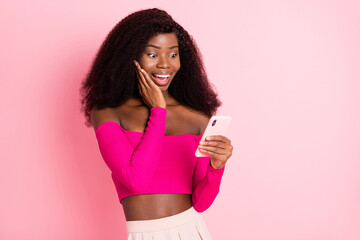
{"x":217,"y":125}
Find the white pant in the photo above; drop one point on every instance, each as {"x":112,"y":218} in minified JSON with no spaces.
{"x":188,"y":225}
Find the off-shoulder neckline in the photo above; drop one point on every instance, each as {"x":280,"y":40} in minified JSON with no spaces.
{"x":141,"y":133}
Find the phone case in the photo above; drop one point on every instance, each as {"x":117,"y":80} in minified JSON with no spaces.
{"x":217,"y":125}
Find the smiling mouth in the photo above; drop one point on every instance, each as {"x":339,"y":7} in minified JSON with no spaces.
{"x":161,"y":79}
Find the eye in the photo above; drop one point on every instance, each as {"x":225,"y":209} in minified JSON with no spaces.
{"x":173,"y":55}
{"x":152,"y":55}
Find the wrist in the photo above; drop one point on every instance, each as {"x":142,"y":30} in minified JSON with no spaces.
{"x":160,"y":106}
{"x":158,"y":110}
{"x":216,"y":166}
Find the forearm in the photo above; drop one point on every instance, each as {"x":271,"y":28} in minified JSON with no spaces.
{"x":206,"y":191}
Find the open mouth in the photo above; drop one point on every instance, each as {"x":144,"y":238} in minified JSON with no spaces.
{"x":161,"y":79}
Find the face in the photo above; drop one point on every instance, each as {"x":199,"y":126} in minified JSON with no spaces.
{"x":161,"y":59}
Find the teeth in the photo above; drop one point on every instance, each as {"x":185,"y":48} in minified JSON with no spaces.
{"x":162,"y":76}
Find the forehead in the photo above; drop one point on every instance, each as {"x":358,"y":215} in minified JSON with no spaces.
{"x":164,"y":39}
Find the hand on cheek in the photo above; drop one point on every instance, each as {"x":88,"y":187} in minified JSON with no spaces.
{"x":149,"y":91}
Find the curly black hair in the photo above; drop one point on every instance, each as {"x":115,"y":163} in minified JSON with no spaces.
{"x":112,"y":78}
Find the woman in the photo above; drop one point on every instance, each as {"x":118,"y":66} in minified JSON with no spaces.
{"x":149,"y":100}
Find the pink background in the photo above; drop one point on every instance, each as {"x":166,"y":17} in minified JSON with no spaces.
{"x":287,"y":71}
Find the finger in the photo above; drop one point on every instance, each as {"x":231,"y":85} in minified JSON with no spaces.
{"x":214,"y":155}
{"x":215,"y":144}
{"x":215,"y":150}
{"x":140,"y":75}
{"x":140,"y":82}
{"x":141,"y":91}
{"x":140,"y":87}
{"x":143,"y":80}
{"x":220,"y":138}
{"x":146,"y":78}
{"x":137,"y":71}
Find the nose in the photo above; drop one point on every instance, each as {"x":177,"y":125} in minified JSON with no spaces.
{"x":163,"y":62}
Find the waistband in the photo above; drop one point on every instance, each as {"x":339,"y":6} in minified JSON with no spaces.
{"x":163,"y":223}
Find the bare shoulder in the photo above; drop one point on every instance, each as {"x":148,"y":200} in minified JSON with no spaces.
{"x":99,"y":116}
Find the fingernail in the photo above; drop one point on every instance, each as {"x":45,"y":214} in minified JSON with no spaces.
{"x":208,"y":138}
{"x":202,"y":142}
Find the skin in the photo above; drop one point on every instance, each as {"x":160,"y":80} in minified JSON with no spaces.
{"x":162,"y":56}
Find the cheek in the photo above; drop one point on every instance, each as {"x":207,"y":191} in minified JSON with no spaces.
{"x":145,"y":64}
{"x":177,"y":65}
{"x":142,"y":61}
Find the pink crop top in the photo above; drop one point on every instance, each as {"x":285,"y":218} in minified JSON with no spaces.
{"x":151,"y":163}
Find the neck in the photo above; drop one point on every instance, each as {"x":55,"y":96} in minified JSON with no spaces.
{"x":167,"y":96}
{"x":169,"y":99}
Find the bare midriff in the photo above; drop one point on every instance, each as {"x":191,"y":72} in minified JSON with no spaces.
{"x":154,"y":206}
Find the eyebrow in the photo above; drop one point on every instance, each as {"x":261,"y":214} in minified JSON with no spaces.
{"x":154,"y":46}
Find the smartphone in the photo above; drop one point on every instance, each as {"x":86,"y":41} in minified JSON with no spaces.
{"x":217,"y":125}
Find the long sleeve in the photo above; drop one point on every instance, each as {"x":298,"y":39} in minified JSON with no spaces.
{"x":206,"y":187}
{"x":133,"y":167}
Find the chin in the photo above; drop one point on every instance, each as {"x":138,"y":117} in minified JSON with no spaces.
{"x":163,"y":88}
